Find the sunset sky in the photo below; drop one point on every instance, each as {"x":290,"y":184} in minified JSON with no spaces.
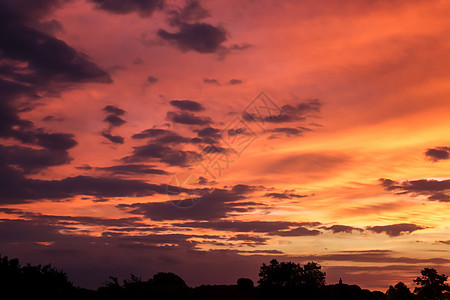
{"x":207,"y":137}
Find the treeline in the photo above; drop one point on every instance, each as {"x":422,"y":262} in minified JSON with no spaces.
{"x":277,"y":280}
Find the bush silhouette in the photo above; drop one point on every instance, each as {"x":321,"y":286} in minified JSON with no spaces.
{"x":245,"y":284}
{"x":161,"y":286}
{"x":168,"y":281}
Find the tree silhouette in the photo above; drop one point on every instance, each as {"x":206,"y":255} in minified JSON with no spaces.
{"x":312,"y":276}
{"x":290,"y":274}
{"x":32,"y":280}
{"x":431,"y":285}
{"x":399,"y":292}
{"x":278,"y":280}
{"x":168,"y":281}
{"x":284,"y":274}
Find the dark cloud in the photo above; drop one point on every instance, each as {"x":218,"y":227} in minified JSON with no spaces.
{"x":34,"y":63}
{"x":209,"y":132}
{"x":10,"y":123}
{"x":188,"y":118}
{"x":435,"y":190}
{"x":33,"y":12}
{"x":287,"y":131}
{"x":116,"y":139}
{"x":310,"y":106}
{"x":150,"y":151}
{"x":244,"y":189}
{"x":241,"y":47}
{"x":193,"y":11}
{"x":438,"y":153}
{"x":51,"y":118}
{"x":84,"y":167}
{"x":114,"y":110}
{"x":282,"y":228}
{"x":143,"y":8}
{"x":342,"y":229}
{"x":262,"y":251}
{"x":67,"y":222}
{"x":376,"y":256}
{"x":132,"y":170}
{"x":152,"y":79}
{"x":114,"y":120}
{"x":172,"y":138}
{"x":299,"y":112}
{"x":50,"y":141}
{"x":15,"y":188}
{"x":388,"y":184}
{"x":441,"y":197}
{"x":236,"y":131}
{"x":298,"y":231}
{"x":251,"y":239}
{"x":204,"y":181}
{"x":420,"y":185}
{"x":49,"y":60}
{"x":211,"y":81}
{"x":214,"y":149}
{"x":207,"y":135}
{"x":285,"y":195}
{"x":199,"y":37}
{"x":248,"y":226}
{"x":211,"y":205}
{"x":163,"y":144}
{"x":19,"y":231}
{"x":56,"y":141}
{"x":187,"y":105}
{"x":153,"y":132}
{"x":11,"y":211}
{"x":162,"y":153}
{"x":31,"y":160}
{"x":288,"y":113}
{"x":395,"y":229}
{"x":113,"y":117}
{"x":235,"y":81}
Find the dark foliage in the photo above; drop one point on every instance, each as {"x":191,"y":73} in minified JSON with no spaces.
{"x":161,"y":286}
{"x":285,"y":280}
{"x":431,"y":285}
{"x":29,"y":281}
{"x":399,"y":292}
{"x":245,"y":284}
{"x":289,"y":275}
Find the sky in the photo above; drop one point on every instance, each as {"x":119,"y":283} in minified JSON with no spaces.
{"x":207,"y":137}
